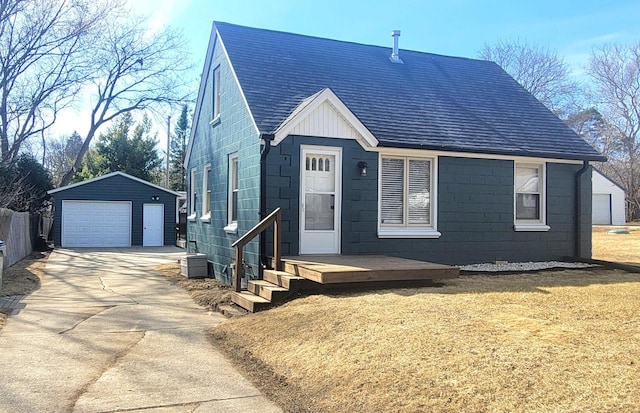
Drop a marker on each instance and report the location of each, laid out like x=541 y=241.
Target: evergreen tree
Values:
x=177 y=151
x=127 y=148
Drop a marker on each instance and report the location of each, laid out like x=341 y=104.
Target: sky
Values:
x=448 y=27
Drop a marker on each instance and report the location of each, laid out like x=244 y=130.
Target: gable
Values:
x=325 y=115
x=110 y=176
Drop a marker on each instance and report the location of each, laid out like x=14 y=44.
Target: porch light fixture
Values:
x=363 y=168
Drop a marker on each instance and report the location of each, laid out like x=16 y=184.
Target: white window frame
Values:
x=192 y=194
x=233 y=169
x=531 y=224
x=206 y=194
x=407 y=230
x=216 y=94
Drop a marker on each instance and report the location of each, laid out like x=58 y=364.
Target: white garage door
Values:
x=601 y=208
x=96 y=224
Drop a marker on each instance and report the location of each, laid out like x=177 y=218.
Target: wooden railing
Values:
x=274 y=218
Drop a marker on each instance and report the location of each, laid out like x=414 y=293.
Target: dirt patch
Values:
x=623 y=248
x=24 y=277
x=206 y=292
x=554 y=341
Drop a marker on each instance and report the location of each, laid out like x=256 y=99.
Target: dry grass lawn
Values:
x=559 y=341
x=616 y=247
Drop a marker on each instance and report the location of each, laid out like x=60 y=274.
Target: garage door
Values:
x=96 y=224
x=601 y=208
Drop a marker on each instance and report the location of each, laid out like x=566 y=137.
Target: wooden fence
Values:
x=20 y=231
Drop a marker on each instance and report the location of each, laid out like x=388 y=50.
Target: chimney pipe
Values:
x=395 y=55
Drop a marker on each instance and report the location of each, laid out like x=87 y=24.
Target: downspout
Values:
x=578 y=210
x=267 y=138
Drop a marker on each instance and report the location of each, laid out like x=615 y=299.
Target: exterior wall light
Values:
x=155 y=198
x=363 y=168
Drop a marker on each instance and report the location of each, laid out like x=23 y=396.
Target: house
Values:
x=114 y=210
x=608 y=200
x=376 y=150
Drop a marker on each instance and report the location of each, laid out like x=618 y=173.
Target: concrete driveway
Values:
x=104 y=334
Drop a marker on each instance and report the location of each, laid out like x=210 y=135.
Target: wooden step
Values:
x=284 y=279
x=250 y=301
x=267 y=290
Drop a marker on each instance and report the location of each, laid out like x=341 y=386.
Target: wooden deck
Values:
x=337 y=269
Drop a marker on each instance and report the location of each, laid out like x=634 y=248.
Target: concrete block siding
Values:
x=475 y=208
x=234 y=132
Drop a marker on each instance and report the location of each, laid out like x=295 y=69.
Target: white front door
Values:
x=153 y=225
x=320 y=199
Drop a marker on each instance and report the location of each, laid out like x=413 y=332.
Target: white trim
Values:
x=109 y=175
x=365 y=137
x=217 y=95
x=325 y=150
x=206 y=189
x=539 y=224
x=431 y=153
x=144 y=205
x=231 y=228
x=531 y=227
x=407 y=230
x=193 y=174
x=230 y=160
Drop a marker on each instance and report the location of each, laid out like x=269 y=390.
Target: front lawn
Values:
x=616 y=247
x=559 y=341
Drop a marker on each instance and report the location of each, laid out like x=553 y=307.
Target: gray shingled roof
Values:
x=430 y=101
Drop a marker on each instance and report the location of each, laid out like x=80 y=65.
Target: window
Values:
x=216 y=92
x=529 y=208
x=407 y=207
x=232 y=214
x=206 y=194
x=192 y=195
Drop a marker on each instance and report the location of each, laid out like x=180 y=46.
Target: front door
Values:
x=152 y=225
x=320 y=199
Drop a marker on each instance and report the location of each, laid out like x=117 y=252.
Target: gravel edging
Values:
x=523 y=266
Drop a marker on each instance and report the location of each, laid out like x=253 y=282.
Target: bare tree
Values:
x=133 y=70
x=42 y=45
x=540 y=70
x=615 y=71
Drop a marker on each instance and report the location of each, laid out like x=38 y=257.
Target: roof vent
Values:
x=395 y=55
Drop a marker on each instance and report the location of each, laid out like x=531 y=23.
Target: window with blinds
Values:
x=405 y=192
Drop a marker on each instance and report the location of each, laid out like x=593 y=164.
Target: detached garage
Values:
x=608 y=204
x=114 y=210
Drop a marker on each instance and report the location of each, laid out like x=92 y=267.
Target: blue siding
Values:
x=475 y=208
x=120 y=188
x=212 y=144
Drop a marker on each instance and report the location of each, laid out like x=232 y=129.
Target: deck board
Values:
x=334 y=269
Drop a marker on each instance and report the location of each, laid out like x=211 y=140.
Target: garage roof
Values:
x=133 y=178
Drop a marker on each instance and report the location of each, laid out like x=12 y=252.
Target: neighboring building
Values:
x=114 y=210
x=608 y=200
x=412 y=155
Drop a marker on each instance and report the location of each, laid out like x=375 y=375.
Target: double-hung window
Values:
x=529 y=202
x=216 y=93
x=232 y=208
x=206 y=194
x=407 y=204
x=192 y=195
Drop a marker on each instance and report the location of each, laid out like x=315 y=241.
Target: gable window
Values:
x=529 y=202
x=407 y=204
x=216 y=93
x=206 y=194
x=232 y=212
x=192 y=195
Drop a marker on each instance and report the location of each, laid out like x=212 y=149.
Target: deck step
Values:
x=284 y=279
x=267 y=290
x=250 y=301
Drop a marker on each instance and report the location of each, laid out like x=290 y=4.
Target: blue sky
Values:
x=450 y=27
